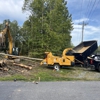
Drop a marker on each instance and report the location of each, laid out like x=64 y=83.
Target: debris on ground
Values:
x=14 y=66
x=23 y=66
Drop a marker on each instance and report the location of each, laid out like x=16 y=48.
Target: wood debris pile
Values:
x=13 y=66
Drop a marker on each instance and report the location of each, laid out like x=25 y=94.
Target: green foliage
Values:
x=15 y=32
x=48 y=26
x=98 y=50
x=16 y=76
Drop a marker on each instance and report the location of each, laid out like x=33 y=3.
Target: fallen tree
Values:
x=23 y=66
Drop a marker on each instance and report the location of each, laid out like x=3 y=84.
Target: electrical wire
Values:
x=88 y=6
x=94 y=8
x=89 y=15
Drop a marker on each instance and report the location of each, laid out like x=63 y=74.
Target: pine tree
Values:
x=50 y=25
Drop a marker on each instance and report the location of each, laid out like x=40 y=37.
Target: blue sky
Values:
x=89 y=12
x=81 y=10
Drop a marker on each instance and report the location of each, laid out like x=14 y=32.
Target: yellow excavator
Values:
x=10 y=49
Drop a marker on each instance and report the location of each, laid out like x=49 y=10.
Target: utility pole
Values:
x=83 y=24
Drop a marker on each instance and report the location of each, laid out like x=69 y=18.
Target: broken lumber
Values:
x=4 y=69
x=23 y=66
x=2 y=63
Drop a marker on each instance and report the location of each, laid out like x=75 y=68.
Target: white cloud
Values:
x=90 y=33
x=81 y=12
x=81 y=20
x=12 y=9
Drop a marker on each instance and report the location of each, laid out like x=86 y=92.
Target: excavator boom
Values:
x=7 y=31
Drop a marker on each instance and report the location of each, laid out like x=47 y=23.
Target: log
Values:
x=2 y=63
x=17 y=60
x=9 y=61
x=4 y=69
x=22 y=57
x=23 y=66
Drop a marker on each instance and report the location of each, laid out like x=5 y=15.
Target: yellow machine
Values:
x=7 y=31
x=11 y=50
x=72 y=56
x=56 y=61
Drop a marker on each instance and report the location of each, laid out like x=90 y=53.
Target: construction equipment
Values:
x=83 y=50
x=56 y=61
x=71 y=56
x=94 y=62
x=10 y=50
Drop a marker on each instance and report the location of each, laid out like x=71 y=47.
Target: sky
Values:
x=81 y=10
x=89 y=12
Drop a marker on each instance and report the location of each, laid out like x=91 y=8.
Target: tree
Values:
x=15 y=32
x=49 y=25
x=14 y=28
x=98 y=50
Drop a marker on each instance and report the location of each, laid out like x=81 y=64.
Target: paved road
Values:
x=70 y=90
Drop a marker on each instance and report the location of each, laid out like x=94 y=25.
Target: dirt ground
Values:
x=9 y=68
x=72 y=73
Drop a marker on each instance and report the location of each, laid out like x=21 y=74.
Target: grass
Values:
x=13 y=77
x=48 y=74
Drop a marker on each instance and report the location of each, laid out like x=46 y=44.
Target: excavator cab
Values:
x=15 y=51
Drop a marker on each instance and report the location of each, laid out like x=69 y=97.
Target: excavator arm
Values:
x=7 y=31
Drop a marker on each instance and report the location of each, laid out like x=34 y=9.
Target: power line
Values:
x=88 y=6
x=91 y=9
x=95 y=8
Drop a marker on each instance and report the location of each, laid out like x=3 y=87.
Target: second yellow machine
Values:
x=71 y=56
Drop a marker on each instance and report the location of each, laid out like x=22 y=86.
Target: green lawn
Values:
x=43 y=73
